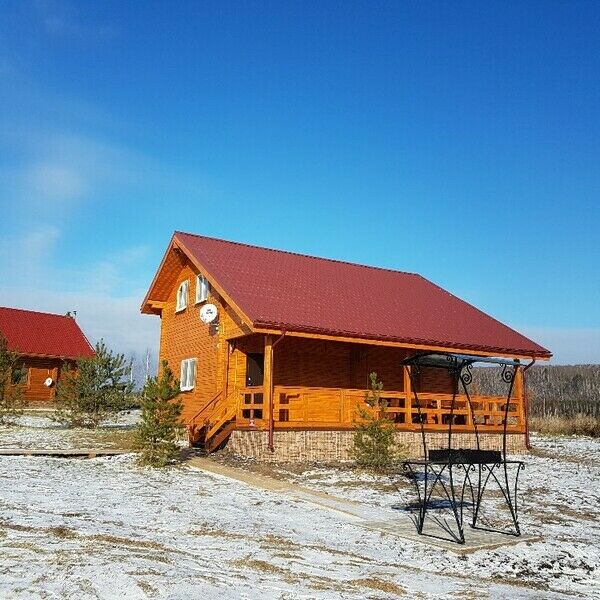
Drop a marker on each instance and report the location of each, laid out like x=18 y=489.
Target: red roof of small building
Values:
x=294 y=292
x=35 y=333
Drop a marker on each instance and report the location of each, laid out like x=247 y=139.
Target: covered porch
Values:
x=285 y=383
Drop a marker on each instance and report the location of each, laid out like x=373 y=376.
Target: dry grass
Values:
x=380 y=585
x=148 y=589
x=258 y=565
x=560 y=425
x=62 y=532
x=117 y=541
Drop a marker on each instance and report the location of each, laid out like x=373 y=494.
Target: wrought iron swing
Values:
x=462 y=474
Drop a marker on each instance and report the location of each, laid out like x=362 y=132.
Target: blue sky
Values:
x=458 y=140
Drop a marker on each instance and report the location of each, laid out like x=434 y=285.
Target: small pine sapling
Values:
x=160 y=422
x=11 y=384
x=374 y=447
x=94 y=390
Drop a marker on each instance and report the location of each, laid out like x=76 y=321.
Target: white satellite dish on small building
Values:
x=208 y=313
x=49 y=381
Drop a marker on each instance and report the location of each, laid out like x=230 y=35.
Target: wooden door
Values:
x=255 y=369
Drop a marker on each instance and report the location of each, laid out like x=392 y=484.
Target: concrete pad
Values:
x=475 y=539
x=364 y=515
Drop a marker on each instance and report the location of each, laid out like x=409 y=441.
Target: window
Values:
x=182 y=295
x=187 y=379
x=202 y=289
x=20 y=376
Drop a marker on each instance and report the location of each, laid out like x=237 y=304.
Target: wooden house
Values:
x=274 y=349
x=45 y=343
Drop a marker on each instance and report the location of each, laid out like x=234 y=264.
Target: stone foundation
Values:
x=334 y=446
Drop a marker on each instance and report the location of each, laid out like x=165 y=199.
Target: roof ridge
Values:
x=301 y=254
x=37 y=312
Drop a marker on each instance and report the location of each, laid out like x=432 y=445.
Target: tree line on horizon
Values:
x=552 y=390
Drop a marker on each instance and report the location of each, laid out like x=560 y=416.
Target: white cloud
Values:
x=54 y=181
x=58 y=168
x=53 y=170
x=29 y=280
x=60 y=18
x=22 y=258
x=111 y=273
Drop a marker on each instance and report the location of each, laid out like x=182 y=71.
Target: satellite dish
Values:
x=208 y=313
x=49 y=381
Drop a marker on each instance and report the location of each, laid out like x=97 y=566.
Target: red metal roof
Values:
x=43 y=334
x=283 y=290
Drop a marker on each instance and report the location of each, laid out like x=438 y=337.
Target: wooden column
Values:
x=268 y=386
x=408 y=392
x=518 y=394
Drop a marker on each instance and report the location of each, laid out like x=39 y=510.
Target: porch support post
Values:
x=519 y=386
x=268 y=386
x=408 y=392
x=268 y=382
x=525 y=402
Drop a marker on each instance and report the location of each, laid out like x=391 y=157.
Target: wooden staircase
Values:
x=210 y=428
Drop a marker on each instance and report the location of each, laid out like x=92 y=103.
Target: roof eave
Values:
x=154 y=307
x=146 y=308
x=54 y=356
x=265 y=326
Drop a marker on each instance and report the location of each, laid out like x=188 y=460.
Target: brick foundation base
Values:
x=296 y=446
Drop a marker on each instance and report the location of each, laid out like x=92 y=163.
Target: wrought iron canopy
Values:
x=450 y=360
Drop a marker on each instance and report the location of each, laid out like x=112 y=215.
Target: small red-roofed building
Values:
x=274 y=349
x=45 y=343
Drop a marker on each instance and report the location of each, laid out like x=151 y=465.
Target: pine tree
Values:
x=160 y=423
x=11 y=388
x=94 y=390
x=374 y=446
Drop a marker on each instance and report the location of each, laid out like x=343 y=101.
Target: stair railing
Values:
x=204 y=411
x=228 y=413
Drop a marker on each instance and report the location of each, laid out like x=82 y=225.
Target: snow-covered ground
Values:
x=36 y=429
x=105 y=528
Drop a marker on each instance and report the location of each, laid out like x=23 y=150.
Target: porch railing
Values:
x=312 y=407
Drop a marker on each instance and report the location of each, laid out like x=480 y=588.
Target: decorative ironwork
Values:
x=508 y=374
x=461 y=477
x=467 y=375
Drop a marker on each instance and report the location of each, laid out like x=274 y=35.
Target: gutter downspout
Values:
x=526 y=405
x=271 y=446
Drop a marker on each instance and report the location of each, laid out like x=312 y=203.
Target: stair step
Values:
x=218 y=438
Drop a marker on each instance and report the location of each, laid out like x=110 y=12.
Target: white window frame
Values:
x=202 y=289
x=182 y=295
x=187 y=378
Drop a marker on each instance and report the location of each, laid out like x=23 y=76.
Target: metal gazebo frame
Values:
x=463 y=472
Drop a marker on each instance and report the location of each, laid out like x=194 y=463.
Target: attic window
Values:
x=182 y=295
x=202 y=288
x=187 y=379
